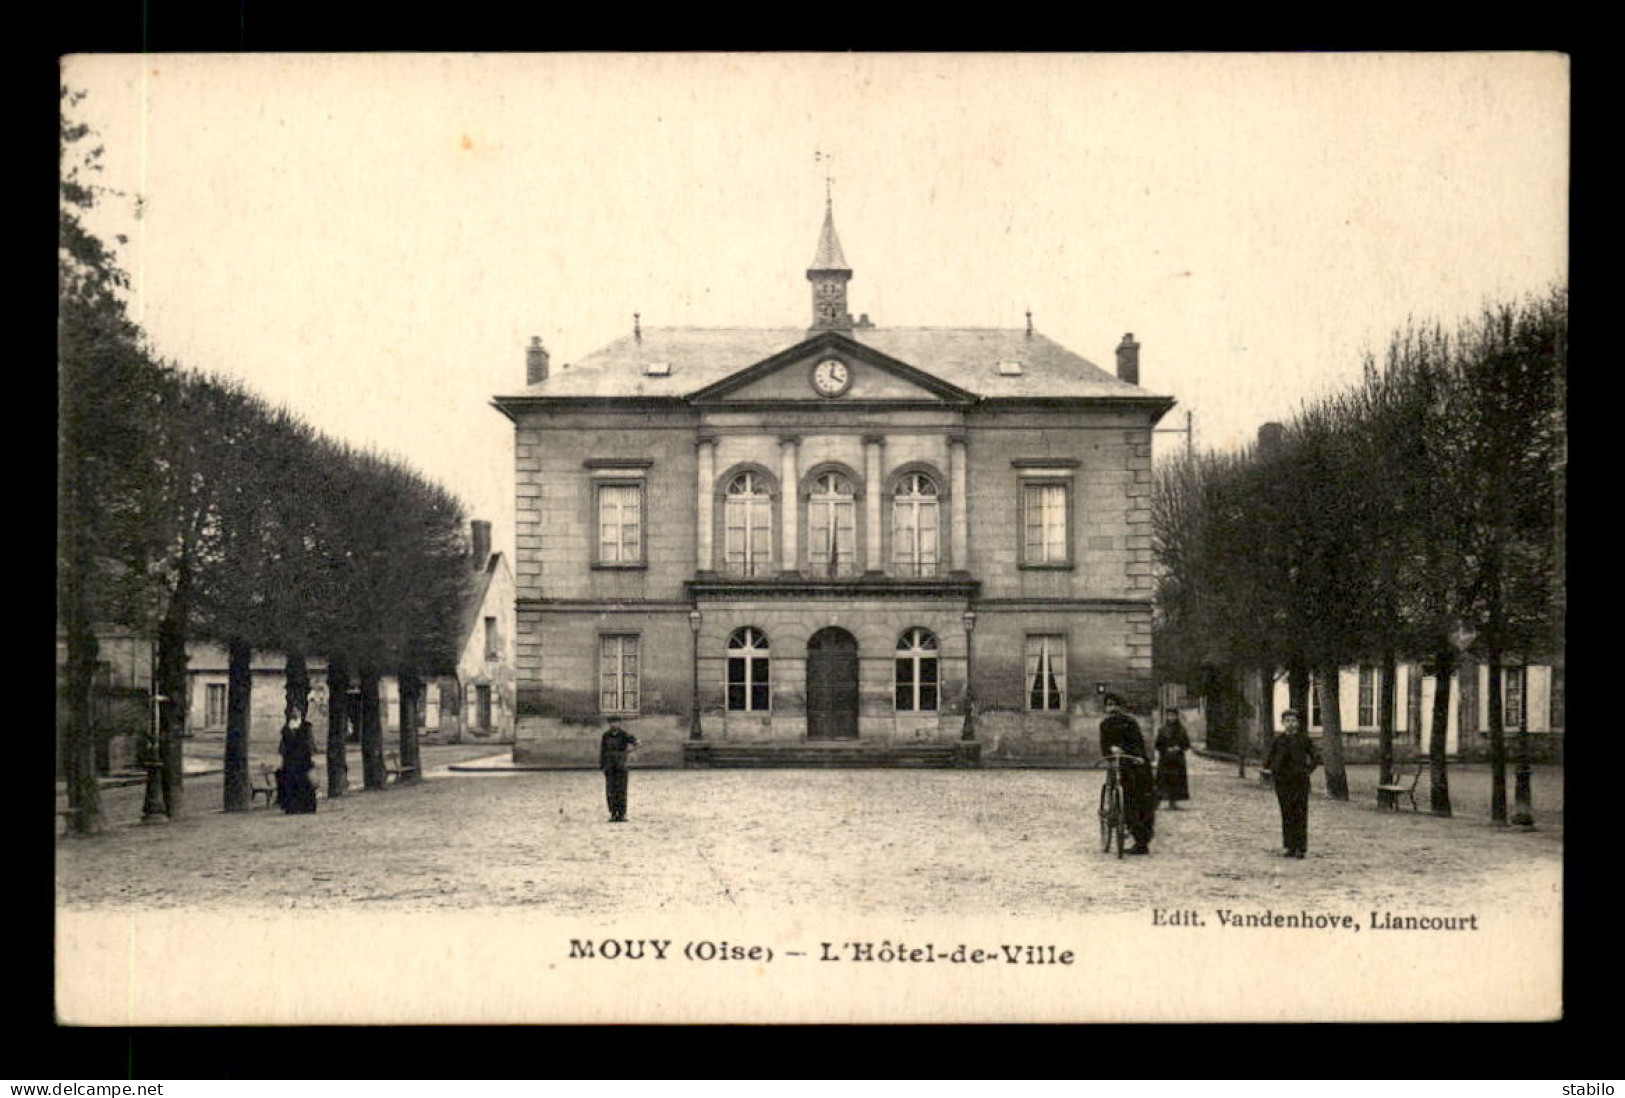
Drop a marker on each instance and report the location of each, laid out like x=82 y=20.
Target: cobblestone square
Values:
x=466 y=899
x=906 y=842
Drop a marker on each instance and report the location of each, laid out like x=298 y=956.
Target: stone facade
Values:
x=638 y=564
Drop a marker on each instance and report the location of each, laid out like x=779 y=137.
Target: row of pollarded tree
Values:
x=1417 y=516
x=189 y=508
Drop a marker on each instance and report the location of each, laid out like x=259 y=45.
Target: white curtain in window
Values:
x=832 y=539
x=620 y=521
x=915 y=526
x=747 y=526
x=1046 y=673
x=1045 y=523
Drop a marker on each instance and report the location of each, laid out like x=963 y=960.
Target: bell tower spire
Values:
x=829 y=272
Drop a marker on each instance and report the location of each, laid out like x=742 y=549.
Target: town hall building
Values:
x=838 y=542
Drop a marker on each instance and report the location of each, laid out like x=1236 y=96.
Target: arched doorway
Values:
x=832 y=685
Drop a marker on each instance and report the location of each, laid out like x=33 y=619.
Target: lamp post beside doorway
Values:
x=968 y=731
x=694 y=731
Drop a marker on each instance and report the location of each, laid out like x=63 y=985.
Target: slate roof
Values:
x=965 y=357
x=474 y=589
x=829 y=257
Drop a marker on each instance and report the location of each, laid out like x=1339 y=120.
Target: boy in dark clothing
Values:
x=1292 y=759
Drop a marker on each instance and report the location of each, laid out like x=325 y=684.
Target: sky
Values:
x=372 y=240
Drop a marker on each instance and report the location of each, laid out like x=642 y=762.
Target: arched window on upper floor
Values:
x=916 y=526
x=747 y=520
x=749 y=684
x=832 y=526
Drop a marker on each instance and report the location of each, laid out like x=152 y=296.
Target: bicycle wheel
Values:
x=1107 y=825
x=1119 y=820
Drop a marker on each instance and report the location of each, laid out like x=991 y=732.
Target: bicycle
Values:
x=1113 y=820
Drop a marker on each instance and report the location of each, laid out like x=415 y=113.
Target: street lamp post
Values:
x=694 y=730
x=152 y=804
x=968 y=729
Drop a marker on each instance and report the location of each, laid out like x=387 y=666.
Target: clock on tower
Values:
x=829 y=275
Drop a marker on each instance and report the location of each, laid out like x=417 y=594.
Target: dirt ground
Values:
x=909 y=842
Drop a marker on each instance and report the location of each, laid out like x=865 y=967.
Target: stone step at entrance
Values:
x=825 y=755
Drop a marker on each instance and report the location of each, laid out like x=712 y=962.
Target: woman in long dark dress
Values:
x=296 y=793
x=1172 y=742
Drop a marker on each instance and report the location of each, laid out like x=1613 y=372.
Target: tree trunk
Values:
x=411 y=707
x=79 y=748
x=1444 y=662
x=239 y=714
x=296 y=683
x=172 y=686
x=1297 y=693
x=372 y=731
x=1523 y=794
x=1264 y=719
x=1331 y=743
x=338 y=716
x=1498 y=739
x=1385 y=727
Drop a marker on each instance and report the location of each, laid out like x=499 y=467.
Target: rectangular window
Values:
x=1368 y=696
x=928 y=685
x=1512 y=696
x=916 y=688
x=214 y=705
x=482 y=703
x=749 y=690
x=620 y=524
x=905 y=684
x=1413 y=703
x=1044 y=525
x=1466 y=685
x=618 y=674
x=1558 y=700
x=1046 y=673
x=1314 y=702
x=491 y=649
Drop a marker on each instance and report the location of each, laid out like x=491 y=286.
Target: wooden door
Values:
x=832 y=685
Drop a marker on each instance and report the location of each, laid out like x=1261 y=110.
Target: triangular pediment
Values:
x=863 y=375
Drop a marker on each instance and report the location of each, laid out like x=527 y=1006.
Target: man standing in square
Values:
x=612 y=752
x=1291 y=760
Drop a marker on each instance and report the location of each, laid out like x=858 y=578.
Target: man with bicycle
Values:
x=1120 y=735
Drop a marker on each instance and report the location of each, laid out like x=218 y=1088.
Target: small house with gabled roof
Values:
x=472 y=702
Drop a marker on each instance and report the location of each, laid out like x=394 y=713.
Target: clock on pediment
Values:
x=831 y=377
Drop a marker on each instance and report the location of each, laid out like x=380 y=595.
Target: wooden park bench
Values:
x=264 y=786
x=1402 y=784
x=393 y=771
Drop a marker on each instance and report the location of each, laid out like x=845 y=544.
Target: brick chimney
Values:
x=1128 y=359
x=1270 y=436
x=535 y=361
x=481 y=554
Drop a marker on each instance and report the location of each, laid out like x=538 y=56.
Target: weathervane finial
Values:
x=824 y=158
